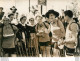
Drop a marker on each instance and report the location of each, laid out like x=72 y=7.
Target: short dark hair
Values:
x=52 y=12
x=22 y=17
x=68 y=13
x=10 y=14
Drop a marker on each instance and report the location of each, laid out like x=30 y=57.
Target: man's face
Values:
x=65 y=18
x=51 y=17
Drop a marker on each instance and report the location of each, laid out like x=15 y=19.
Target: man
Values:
x=71 y=33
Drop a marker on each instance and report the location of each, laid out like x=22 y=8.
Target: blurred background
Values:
x=25 y=6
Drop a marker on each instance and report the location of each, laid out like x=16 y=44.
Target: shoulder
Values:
x=74 y=26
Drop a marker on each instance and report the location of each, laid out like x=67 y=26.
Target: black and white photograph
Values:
x=40 y=28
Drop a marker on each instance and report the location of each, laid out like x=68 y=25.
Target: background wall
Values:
x=23 y=5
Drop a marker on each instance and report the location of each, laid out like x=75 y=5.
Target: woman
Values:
x=21 y=35
x=9 y=38
x=42 y=37
x=32 y=37
x=57 y=30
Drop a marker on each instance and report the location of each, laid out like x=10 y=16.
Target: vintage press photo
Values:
x=39 y=28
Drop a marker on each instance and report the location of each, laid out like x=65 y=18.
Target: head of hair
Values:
x=10 y=14
x=22 y=17
x=76 y=20
x=68 y=13
x=52 y=12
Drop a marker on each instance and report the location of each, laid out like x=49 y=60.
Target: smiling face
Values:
x=39 y=19
x=31 y=20
x=51 y=17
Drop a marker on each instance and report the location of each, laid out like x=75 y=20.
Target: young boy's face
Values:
x=65 y=18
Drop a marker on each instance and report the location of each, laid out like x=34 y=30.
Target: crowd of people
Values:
x=57 y=36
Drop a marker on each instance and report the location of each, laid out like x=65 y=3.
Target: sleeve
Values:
x=15 y=29
x=61 y=28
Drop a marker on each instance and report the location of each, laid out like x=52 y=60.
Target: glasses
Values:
x=31 y=20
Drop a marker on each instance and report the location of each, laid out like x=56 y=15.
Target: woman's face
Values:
x=23 y=20
x=51 y=17
x=32 y=21
x=39 y=19
x=11 y=17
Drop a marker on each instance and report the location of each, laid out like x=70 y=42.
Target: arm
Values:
x=61 y=28
x=74 y=32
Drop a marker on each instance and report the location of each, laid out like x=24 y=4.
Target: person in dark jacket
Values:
x=21 y=35
x=32 y=37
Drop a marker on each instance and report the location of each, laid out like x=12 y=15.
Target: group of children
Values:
x=49 y=38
